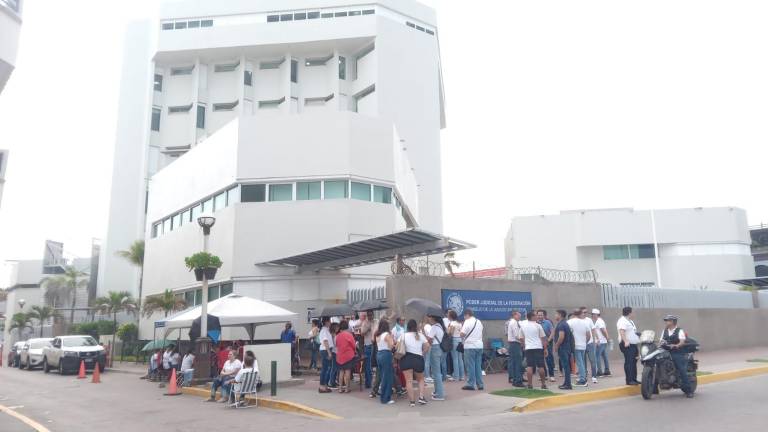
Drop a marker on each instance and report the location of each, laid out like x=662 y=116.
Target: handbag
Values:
x=400 y=349
x=460 y=346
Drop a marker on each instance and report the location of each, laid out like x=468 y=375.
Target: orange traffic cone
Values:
x=172 y=388
x=96 y=376
x=81 y=374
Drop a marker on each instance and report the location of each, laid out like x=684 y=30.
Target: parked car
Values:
x=32 y=353
x=66 y=352
x=15 y=354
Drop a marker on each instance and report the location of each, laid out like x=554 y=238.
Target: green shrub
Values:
x=87 y=328
x=105 y=328
x=128 y=332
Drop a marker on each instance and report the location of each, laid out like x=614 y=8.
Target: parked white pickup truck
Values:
x=66 y=352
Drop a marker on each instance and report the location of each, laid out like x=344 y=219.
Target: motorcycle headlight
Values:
x=644 y=350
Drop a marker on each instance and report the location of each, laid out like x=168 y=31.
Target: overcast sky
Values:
x=550 y=105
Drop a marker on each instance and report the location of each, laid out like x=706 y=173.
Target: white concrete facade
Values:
x=698 y=248
x=235 y=98
x=10 y=27
x=3 y=167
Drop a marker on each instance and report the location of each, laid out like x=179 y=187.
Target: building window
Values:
x=623 y=252
x=294 y=71
x=208 y=205
x=186 y=70
x=369 y=12
x=189 y=298
x=308 y=191
x=340 y=14
x=382 y=194
x=327 y=15
x=180 y=25
x=286 y=17
x=248 y=78
x=185 y=217
x=410 y=24
x=155 y=119
x=196 y=212
x=281 y=192
x=354 y=13
x=225 y=106
x=299 y=16
x=155 y=230
x=193 y=24
x=158 y=82
x=229 y=67
x=253 y=193
x=200 y=117
x=313 y=15
x=167 y=226
x=167 y=26
x=342 y=68
x=336 y=189
x=179 y=109
x=206 y=23
x=226 y=289
x=361 y=191
x=213 y=293
x=273 y=18
x=176 y=223
x=220 y=201
x=430 y=32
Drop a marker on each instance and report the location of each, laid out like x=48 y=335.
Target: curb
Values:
x=124 y=371
x=276 y=404
x=617 y=392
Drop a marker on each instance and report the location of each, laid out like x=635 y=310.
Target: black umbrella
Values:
x=332 y=310
x=371 y=305
x=424 y=307
x=213 y=324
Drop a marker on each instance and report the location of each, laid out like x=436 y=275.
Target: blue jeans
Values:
x=444 y=366
x=591 y=355
x=333 y=378
x=368 y=366
x=515 y=363
x=325 y=371
x=601 y=356
x=387 y=374
x=435 y=359
x=187 y=377
x=681 y=364
x=550 y=359
x=473 y=357
x=427 y=367
x=458 y=360
x=565 y=363
x=225 y=383
x=581 y=365
x=313 y=359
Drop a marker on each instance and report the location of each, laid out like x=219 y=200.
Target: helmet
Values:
x=670 y=318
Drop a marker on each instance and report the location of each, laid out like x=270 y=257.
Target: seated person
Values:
x=187 y=367
x=231 y=367
x=250 y=365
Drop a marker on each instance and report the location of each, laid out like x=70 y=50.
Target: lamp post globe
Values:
x=22 y=302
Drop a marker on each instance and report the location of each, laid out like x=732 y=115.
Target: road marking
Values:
x=24 y=419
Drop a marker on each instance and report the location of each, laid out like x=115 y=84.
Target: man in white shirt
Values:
x=472 y=335
x=628 y=341
x=515 y=364
x=591 y=346
x=603 y=369
x=187 y=367
x=326 y=355
x=231 y=367
x=582 y=333
x=534 y=341
x=249 y=365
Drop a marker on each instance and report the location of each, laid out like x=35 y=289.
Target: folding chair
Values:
x=496 y=360
x=248 y=386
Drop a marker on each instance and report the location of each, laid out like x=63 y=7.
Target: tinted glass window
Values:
x=181 y=25
x=158 y=82
x=79 y=341
x=369 y=12
x=307 y=190
x=193 y=24
x=299 y=16
x=342 y=68
x=382 y=194
x=253 y=193
x=220 y=201
x=313 y=15
x=273 y=18
x=248 y=78
x=206 y=23
x=294 y=71
x=336 y=189
x=281 y=192
x=340 y=14
x=200 y=117
x=327 y=15
x=155 y=119
x=167 y=26
x=361 y=191
x=286 y=17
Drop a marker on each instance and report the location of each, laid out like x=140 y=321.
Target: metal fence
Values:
x=355 y=295
x=551 y=275
x=651 y=298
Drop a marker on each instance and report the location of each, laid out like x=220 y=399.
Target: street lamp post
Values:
x=203 y=343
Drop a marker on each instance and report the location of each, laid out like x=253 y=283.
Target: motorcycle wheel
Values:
x=694 y=381
x=646 y=386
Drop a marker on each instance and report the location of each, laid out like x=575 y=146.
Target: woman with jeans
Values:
x=435 y=336
x=384 y=345
x=326 y=354
x=454 y=330
x=314 y=343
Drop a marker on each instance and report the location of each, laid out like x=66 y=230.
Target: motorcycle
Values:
x=659 y=370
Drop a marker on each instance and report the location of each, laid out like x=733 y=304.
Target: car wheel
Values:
x=46 y=369
x=61 y=367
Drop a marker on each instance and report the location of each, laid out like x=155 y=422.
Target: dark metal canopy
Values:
x=407 y=244
x=758 y=282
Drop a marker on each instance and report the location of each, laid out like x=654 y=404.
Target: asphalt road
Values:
x=124 y=403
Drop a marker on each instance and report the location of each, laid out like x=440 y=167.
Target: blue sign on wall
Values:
x=487 y=305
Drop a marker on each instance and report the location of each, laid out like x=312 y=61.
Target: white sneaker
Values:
x=594 y=380
x=451 y=379
x=429 y=380
x=483 y=373
x=551 y=379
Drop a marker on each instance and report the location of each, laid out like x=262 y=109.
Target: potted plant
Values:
x=203 y=263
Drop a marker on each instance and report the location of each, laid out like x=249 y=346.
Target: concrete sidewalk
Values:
x=472 y=403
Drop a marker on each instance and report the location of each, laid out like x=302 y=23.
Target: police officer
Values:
x=673 y=337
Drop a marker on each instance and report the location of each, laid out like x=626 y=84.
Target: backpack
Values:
x=447 y=343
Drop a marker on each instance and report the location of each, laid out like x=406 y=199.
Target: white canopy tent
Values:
x=233 y=310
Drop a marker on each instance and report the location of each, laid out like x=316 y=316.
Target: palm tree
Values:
x=42 y=314
x=450 y=262
x=135 y=255
x=65 y=286
x=166 y=302
x=114 y=303
x=20 y=321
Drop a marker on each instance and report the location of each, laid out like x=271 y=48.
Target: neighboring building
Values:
x=10 y=26
x=698 y=248
x=302 y=126
x=3 y=165
x=759 y=236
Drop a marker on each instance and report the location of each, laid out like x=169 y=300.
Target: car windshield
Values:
x=38 y=344
x=79 y=341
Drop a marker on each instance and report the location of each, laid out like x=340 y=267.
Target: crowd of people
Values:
x=409 y=355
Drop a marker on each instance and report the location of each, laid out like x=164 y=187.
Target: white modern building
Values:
x=696 y=248
x=3 y=166
x=310 y=129
x=10 y=27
